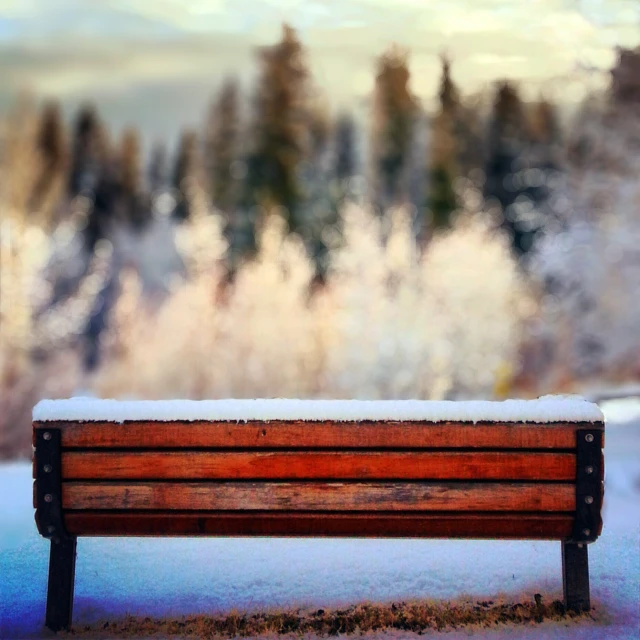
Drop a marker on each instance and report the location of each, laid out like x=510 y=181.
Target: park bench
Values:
x=406 y=469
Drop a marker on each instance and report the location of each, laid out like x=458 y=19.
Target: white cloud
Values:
x=122 y=50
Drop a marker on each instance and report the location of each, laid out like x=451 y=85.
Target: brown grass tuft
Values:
x=417 y=617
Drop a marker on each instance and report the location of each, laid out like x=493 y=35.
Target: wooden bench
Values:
x=523 y=470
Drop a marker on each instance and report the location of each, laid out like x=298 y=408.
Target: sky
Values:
x=156 y=64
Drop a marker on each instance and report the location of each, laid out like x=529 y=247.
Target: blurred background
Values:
x=313 y=198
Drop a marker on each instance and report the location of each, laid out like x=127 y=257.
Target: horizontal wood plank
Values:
x=198 y=465
x=472 y=525
x=298 y=434
x=232 y=496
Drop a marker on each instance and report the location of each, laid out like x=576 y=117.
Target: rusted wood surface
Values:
x=299 y=434
x=329 y=496
x=197 y=465
x=419 y=525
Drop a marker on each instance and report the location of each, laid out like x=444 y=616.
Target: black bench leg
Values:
x=575 y=576
x=62 y=570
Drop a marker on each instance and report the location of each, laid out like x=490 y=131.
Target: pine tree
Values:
x=625 y=79
x=130 y=175
x=88 y=152
x=470 y=135
x=221 y=146
x=319 y=129
x=52 y=149
x=544 y=123
x=280 y=132
x=508 y=156
x=346 y=161
x=93 y=173
x=444 y=150
x=186 y=173
x=394 y=114
x=158 y=170
x=133 y=205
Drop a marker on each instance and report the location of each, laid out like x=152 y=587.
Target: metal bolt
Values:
x=588 y=499
x=586 y=532
x=47 y=468
x=48 y=497
x=589 y=469
x=589 y=437
x=47 y=435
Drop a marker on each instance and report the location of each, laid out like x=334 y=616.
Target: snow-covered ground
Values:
x=179 y=576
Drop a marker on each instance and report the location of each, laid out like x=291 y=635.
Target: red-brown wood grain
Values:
x=402 y=525
x=300 y=434
x=198 y=465
x=319 y=496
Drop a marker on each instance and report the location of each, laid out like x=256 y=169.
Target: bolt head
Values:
x=47 y=435
x=586 y=532
x=589 y=469
x=588 y=499
x=48 y=497
x=47 y=468
x=589 y=437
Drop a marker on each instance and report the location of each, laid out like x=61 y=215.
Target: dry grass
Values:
x=417 y=617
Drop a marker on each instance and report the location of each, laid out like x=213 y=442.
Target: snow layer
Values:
x=546 y=409
x=183 y=576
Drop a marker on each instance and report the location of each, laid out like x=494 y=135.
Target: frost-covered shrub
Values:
x=588 y=267
x=435 y=325
x=210 y=339
x=389 y=322
x=37 y=335
x=37 y=341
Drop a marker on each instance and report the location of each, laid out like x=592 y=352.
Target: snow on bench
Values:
x=542 y=410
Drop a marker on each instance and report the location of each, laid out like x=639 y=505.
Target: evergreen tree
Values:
x=158 y=171
x=93 y=174
x=130 y=174
x=186 y=174
x=345 y=148
x=470 y=135
x=544 y=123
x=52 y=149
x=625 y=79
x=88 y=152
x=221 y=146
x=444 y=150
x=279 y=131
x=448 y=94
x=318 y=214
x=319 y=129
x=133 y=205
x=517 y=166
x=394 y=114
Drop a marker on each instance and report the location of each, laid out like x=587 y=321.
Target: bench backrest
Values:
x=410 y=478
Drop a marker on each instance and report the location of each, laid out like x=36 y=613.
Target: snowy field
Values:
x=180 y=576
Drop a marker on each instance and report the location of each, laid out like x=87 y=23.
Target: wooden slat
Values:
x=231 y=496
x=471 y=525
x=198 y=465
x=298 y=434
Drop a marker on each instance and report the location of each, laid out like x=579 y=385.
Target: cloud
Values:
x=152 y=61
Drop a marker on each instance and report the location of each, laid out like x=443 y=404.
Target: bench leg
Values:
x=575 y=576
x=62 y=570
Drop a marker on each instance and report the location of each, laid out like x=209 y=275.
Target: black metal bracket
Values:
x=588 y=521
x=48 y=462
